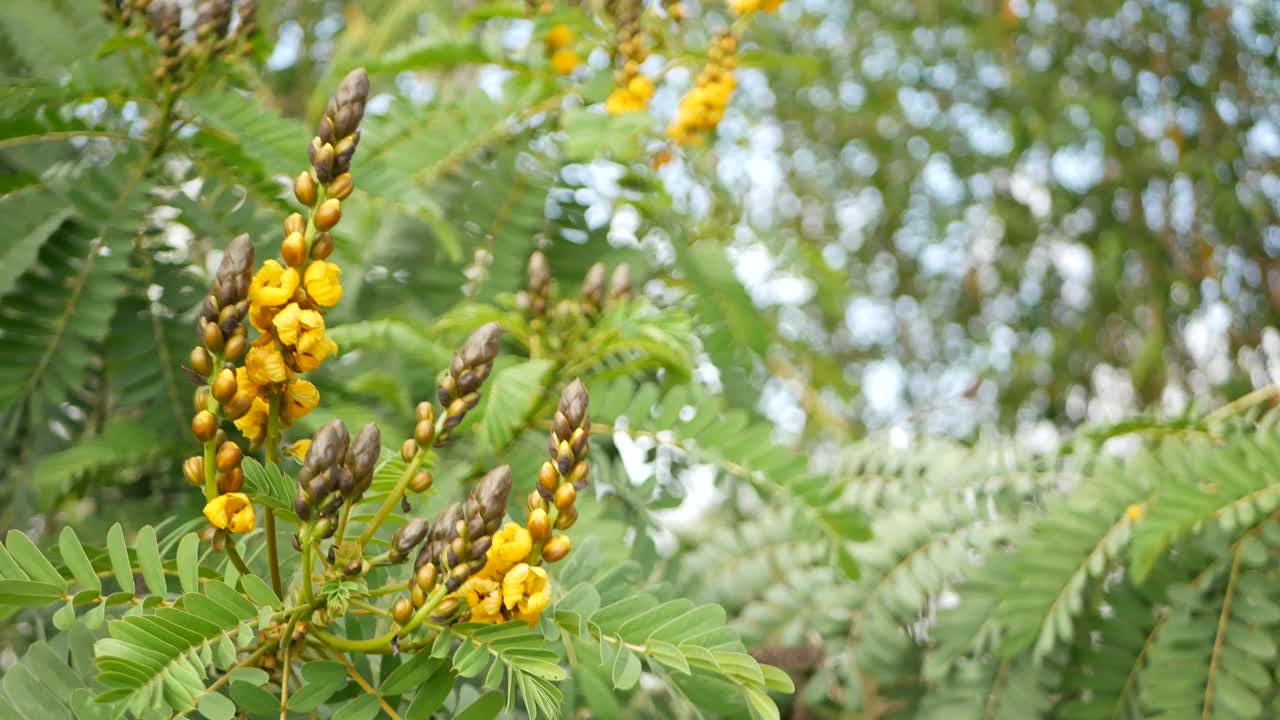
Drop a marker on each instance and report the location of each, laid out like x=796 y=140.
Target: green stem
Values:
x=378 y=643
x=393 y=499
x=236 y=560
x=1257 y=397
x=342 y=525
x=273 y=455
x=306 y=568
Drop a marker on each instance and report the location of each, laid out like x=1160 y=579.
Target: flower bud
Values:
x=302 y=508
x=536 y=501
x=445 y=609
x=236 y=347
x=304 y=188
x=328 y=214
x=565 y=495
x=426 y=576
x=294 y=250
x=424 y=432
x=200 y=398
x=201 y=361
x=193 y=470
x=539 y=525
x=593 y=289
x=224 y=388
x=204 y=425
x=295 y=224
x=322 y=247
x=229 y=456
x=213 y=337
x=556 y=548
x=354 y=567
x=341 y=186
x=417 y=596
x=421 y=482
x=567 y=518
x=410 y=535
x=548 y=477
x=408 y=449
x=578 y=476
x=230 y=481
x=402 y=611
x=425 y=412
x=620 y=283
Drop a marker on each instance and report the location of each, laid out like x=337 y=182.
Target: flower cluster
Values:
x=633 y=90
x=702 y=108
x=747 y=7
x=286 y=303
x=564 y=60
x=212 y=30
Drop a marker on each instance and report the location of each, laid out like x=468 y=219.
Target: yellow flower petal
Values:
x=232 y=512
x=511 y=545
x=300 y=398
x=265 y=365
x=273 y=285
x=253 y=424
x=321 y=282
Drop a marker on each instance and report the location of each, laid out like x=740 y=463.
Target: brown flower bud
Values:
x=425 y=412
x=204 y=425
x=224 y=388
x=421 y=482
x=417 y=596
x=556 y=548
x=201 y=361
x=230 y=481
x=426 y=575
x=193 y=470
x=536 y=501
x=593 y=289
x=568 y=516
x=341 y=186
x=322 y=247
x=328 y=214
x=229 y=456
x=410 y=535
x=236 y=347
x=295 y=224
x=408 y=449
x=578 y=476
x=353 y=567
x=402 y=611
x=200 y=398
x=213 y=337
x=548 y=477
x=424 y=432
x=539 y=525
x=445 y=609
x=328 y=447
x=294 y=250
x=304 y=188
x=620 y=283
x=565 y=495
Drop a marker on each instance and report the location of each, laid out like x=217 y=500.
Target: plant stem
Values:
x=305 y=590
x=378 y=643
x=236 y=560
x=273 y=456
x=342 y=525
x=393 y=499
x=1240 y=404
x=364 y=685
x=284 y=672
x=210 y=446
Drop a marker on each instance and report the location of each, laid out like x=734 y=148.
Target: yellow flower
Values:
x=484 y=597
x=299 y=399
x=511 y=545
x=273 y=285
x=253 y=424
x=298 y=449
x=303 y=330
x=770 y=5
x=1135 y=512
x=641 y=87
x=232 y=512
x=321 y=282
x=526 y=592
x=559 y=36
x=565 y=61
x=265 y=365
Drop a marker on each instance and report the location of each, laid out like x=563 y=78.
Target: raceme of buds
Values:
x=570 y=432
x=221 y=316
x=539 y=290
x=408 y=537
x=213 y=19
x=460 y=534
x=338 y=133
x=323 y=479
x=362 y=458
x=459 y=388
x=593 y=289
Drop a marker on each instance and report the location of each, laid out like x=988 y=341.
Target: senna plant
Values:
x=313 y=585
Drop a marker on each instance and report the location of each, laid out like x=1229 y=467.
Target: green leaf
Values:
x=65 y=617
x=410 y=675
x=118 y=551
x=668 y=654
x=216 y=707
x=32 y=561
x=260 y=592
x=28 y=593
x=267 y=485
x=148 y=551
x=777 y=680
x=254 y=699
x=626 y=669
x=189 y=562
x=364 y=707
x=77 y=560
x=485 y=707
x=509 y=397
x=761 y=705
x=422 y=55
x=431 y=695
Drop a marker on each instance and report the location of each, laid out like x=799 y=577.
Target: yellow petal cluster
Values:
x=231 y=512
x=632 y=97
x=302 y=332
x=526 y=592
x=511 y=545
x=321 y=283
x=702 y=108
x=272 y=286
x=746 y=7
